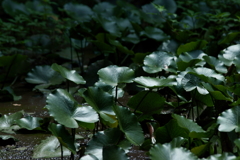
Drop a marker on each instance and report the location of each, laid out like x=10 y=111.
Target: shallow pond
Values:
x=33 y=103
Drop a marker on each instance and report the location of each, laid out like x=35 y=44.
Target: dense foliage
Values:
x=176 y=62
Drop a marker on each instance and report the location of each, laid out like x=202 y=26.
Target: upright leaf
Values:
x=65 y=109
x=128 y=123
x=229 y=120
x=113 y=75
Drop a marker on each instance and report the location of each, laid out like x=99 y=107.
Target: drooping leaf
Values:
x=154 y=33
x=108 y=137
x=49 y=147
x=66 y=110
x=63 y=136
x=147 y=106
x=157 y=61
x=171 y=151
x=70 y=75
x=7 y=94
x=29 y=122
x=129 y=125
x=229 y=120
x=113 y=75
x=7 y=140
x=150 y=82
x=44 y=75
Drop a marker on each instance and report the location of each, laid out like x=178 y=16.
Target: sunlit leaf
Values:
x=171 y=151
x=49 y=147
x=229 y=120
x=113 y=75
x=157 y=61
x=150 y=82
x=29 y=122
x=65 y=109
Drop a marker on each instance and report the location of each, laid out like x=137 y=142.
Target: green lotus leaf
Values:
x=110 y=89
x=191 y=46
x=150 y=82
x=108 y=137
x=154 y=33
x=7 y=122
x=215 y=63
x=114 y=152
x=63 y=136
x=229 y=120
x=79 y=12
x=171 y=151
x=170 y=131
x=129 y=125
x=200 y=150
x=232 y=54
x=104 y=8
x=147 y=106
x=44 y=75
x=157 y=61
x=169 y=46
x=48 y=148
x=188 y=124
x=189 y=59
x=206 y=74
x=228 y=38
x=113 y=75
x=70 y=75
x=169 y=5
x=66 y=110
x=101 y=102
x=191 y=82
x=29 y=122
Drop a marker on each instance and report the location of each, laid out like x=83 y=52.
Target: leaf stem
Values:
x=141 y=101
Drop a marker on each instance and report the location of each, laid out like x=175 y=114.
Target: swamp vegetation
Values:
x=160 y=77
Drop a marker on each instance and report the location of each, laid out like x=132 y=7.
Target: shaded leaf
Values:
x=114 y=152
x=63 y=136
x=128 y=123
x=109 y=137
x=70 y=75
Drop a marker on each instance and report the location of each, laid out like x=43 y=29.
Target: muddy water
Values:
x=33 y=103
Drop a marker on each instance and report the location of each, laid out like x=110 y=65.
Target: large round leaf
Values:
x=114 y=152
x=171 y=151
x=150 y=82
x=128 y=123
x=156 y=62
x=44 y=75
x=113 y=75
x=70 y=75
x=29 y=122
x=191 y=82
x=229 y=120
x=65 y=109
